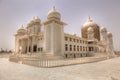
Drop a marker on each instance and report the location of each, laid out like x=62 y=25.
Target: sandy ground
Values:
x=103 y=70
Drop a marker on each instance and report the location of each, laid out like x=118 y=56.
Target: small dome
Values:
x=89 y=23
x=37 y=19
x=21 y=30
x=90 y=29
x=29 y=24
x=32 y=21
x=109 y=34
x=103 y=29
x=54 y=14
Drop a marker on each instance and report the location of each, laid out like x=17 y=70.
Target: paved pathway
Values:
x=104 y=70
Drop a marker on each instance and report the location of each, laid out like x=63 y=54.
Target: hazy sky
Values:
x=14 y=13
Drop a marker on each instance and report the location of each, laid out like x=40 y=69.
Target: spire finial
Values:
x=89 y=19
x=22 y=26
x=54 y=8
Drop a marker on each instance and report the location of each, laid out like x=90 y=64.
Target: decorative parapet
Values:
x=47 y=63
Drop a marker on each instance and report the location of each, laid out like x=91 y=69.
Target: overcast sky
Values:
x=14 y=13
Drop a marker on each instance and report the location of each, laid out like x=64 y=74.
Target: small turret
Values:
x=34 y=26
x=103 y=29
x=103 y=33
x=53 y=14
x=21 y=30
x=110 y=49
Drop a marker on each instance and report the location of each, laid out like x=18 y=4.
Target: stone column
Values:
x=68 y=48
x=63 y=41
x=28 y=46
x=52 y=38
x=37 y=45
x=22 y=45
x=31 y=45
x=16 y=44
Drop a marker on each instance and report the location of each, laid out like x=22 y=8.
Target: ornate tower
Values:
x=54 y=33
x=110 y=49
x=103 y=32
x=33 y=28
x=103 y=35
x=19 y=44
x=93 y=25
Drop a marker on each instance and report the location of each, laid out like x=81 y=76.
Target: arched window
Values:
x=66 y=38
x=74 y=40
x=80 y=48
x=70 y=47
x=77 y=41
x=77 y=48
x=35 y=48
x=66 y=55
x=70 y=39
x=80 y=41
x=83 y=48
x=74 y=48
x=29 y=49
x=66 y=47
x=41 y=49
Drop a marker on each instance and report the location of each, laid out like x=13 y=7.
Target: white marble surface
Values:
x=92 y=71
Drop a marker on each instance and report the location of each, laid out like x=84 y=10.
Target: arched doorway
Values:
x=35 y=48
x=26 y=50
x=29 y=48
x=66 y=55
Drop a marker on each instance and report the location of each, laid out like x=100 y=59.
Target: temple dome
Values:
x=34 y=20
x=37 y=19
x=90 y=23
x=31 y=22
x=54 y=14
x=21 y=30
x=109 y=34
x=103 y=29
